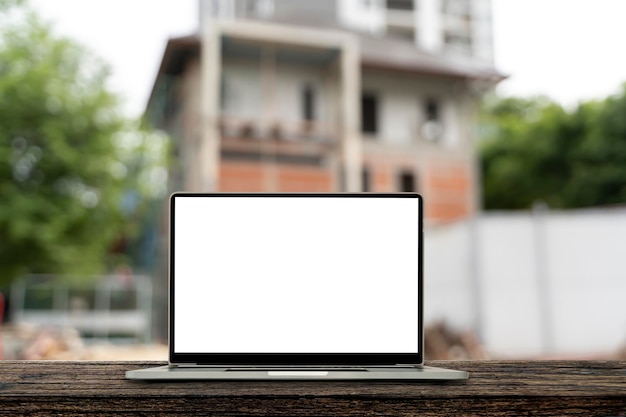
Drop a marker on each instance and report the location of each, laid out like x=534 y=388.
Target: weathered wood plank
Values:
x=277 y=406
x=543 y=388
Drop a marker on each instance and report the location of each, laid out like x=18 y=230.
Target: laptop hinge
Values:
x=290 y=367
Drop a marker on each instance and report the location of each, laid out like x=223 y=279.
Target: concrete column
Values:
x=207 y=160
x=430 y=25
x=268 y=85
x=350 y=110
x=269 y=116
x=482 y=36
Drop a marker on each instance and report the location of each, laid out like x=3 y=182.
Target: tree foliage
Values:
x=534 y=150
x=62 y=175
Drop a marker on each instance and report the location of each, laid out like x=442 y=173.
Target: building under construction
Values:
x=282 y=96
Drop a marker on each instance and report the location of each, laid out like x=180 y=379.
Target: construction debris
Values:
x=24 y=342
x=441 y=342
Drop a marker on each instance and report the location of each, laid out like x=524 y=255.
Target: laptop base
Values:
x=422 y=373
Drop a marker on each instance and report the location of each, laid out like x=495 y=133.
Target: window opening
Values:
x=369 y=113
x=407 y=182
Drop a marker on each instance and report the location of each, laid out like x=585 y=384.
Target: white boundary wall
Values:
x=532 y=283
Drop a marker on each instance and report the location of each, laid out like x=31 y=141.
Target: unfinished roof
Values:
x=377 y=52
x=400 y=54
x=387 y=52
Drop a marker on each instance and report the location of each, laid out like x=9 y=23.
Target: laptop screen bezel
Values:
x=270 y=359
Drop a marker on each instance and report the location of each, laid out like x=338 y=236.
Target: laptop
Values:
x=296 y=286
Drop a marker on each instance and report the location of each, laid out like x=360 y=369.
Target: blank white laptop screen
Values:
x=296 y=275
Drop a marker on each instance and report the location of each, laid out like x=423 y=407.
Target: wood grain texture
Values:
x=511 y=388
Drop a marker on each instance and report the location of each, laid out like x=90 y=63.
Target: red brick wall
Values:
x=240 y=177
x=450 y=192
x=447 y=186
x=257 y=177
x=294 y=178
x=382 y=181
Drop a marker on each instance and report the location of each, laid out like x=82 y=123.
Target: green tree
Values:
x=62 y=174
x=599 y=160
x=533 y=149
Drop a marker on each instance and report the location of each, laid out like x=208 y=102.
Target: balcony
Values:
x=303 y=143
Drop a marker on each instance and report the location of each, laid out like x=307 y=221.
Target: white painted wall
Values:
x=429 y=23
x=290 y=83
x=578 y=268
x=398 y=116
x=401 y=101
x=401 y=108
x=243 y=90
x=361 y=15
x=371 y=17
x=482 y=30
x=451 y=121
x=245 y=93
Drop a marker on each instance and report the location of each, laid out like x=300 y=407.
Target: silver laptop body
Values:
x=296 y=286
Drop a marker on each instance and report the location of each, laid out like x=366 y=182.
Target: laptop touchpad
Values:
x=297 y=373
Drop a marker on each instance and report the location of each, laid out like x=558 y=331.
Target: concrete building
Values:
x=295 y=95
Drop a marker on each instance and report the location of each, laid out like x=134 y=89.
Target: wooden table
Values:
x=511 y=388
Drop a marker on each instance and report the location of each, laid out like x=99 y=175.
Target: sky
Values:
x=569 y=50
